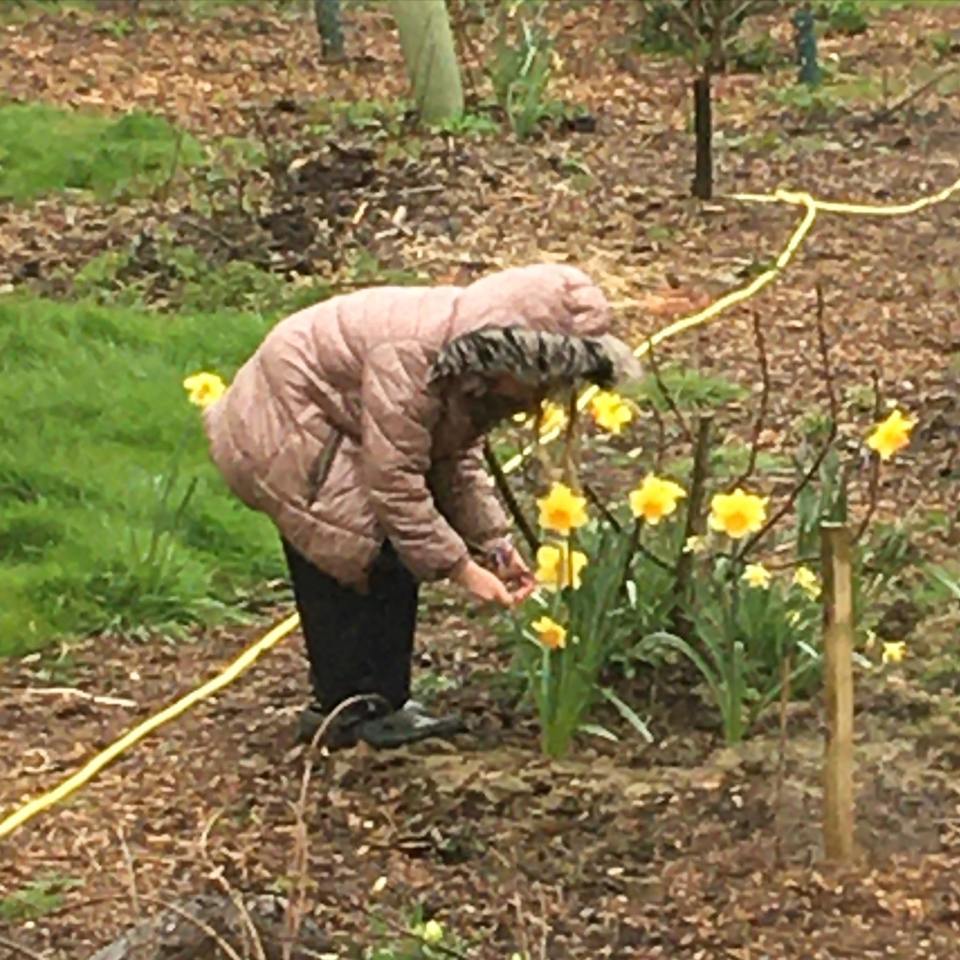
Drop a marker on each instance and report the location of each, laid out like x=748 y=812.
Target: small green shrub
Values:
x=36 y=899
x=846 y=17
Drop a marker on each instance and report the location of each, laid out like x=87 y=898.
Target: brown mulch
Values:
x=620 y=851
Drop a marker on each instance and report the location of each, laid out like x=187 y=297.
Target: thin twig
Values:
x=651 y=556
x=887 y=112
x=217 y=874
x=73 y=692
x=464 y=42
x=668 y=397
x=811 y=472
x=570 y=463
x=764 y=399
x=293 y=915
x=786 y=667
x=19 y=948
x=661 y=438
x=873 y=491
x=683 y=569
x=592 y=496
x=825 y=358
x=198 y=923
x=131 y=872
x=513 y=505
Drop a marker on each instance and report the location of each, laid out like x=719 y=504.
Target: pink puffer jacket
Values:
x=332 y=430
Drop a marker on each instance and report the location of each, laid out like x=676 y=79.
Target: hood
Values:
x=546 y=297
x=545 y=324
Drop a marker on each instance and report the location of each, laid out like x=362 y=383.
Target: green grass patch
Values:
x=92 y=412
x=44 y=150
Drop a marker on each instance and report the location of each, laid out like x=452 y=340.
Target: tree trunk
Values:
x=329 y=26
x=703 y=125
x=430 y=57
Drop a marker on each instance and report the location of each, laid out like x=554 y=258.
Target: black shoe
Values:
x=343 y=730
x=410 y=724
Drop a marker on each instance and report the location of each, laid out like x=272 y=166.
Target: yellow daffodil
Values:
x=871 y=641
x=432 y=931
x=655 y=499
x=562 y=510
x=552 y=417
x=757 y=575
x=694 y=544
x=610 y=411
x=204 y=388
x=807 y=581
x=894 y=651
x=550 y=633
x=891 y=435
x=555 y=564
x=737 y=514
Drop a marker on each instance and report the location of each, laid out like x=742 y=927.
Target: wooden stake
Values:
x=835 y=541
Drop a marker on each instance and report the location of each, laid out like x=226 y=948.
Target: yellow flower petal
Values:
x=894 y=651
x=562 y=510
x=891 y=435
x=807 y=581
x=554 y=566
x=610 y=411
x=553 y=417
x=694 y=544
x=550 y=633
x=757 y=575
x=737 y=514
x=655 y=499
x=204 y=388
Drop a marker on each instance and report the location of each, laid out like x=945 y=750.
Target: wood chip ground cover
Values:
x=623 y=851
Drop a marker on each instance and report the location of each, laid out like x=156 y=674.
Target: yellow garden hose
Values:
x=98 y=762
x=811 y=206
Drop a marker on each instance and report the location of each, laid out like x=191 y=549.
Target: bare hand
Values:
x=514 y=572
x=483 y=584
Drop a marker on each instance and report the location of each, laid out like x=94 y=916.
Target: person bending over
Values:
x=358 y=426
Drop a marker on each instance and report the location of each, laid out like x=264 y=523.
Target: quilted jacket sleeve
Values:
x=397 y=421
x=464 y=493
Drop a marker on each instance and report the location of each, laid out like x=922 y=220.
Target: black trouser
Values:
x=357 y=643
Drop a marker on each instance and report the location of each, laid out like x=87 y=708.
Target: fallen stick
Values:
x=74 y=692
